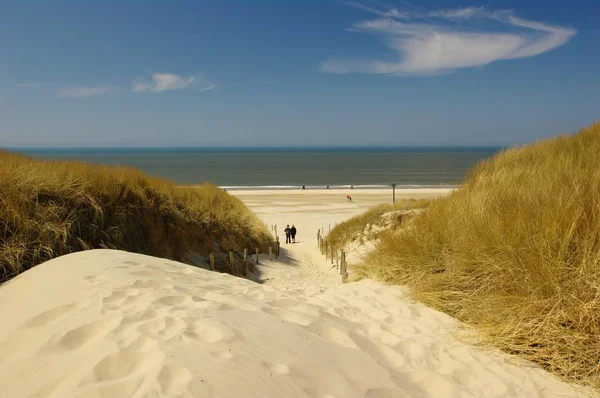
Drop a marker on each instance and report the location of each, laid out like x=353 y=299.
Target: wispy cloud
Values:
x=439 y=41
x=211 y=87
x=162 y=82
x=28 y=85
x=84 y=91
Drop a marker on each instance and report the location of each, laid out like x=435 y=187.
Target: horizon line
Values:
x=283 y=147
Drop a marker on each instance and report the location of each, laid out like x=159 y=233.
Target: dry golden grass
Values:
x=515 y=252
x=51 y=208
x=356 y=227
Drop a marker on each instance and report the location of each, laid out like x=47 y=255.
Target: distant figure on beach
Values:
x=288 y=234
x=303 y=186
x=327 y=186
x=293 y=233
x=349 y=198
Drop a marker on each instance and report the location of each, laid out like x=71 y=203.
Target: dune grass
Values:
x=354 y=228
x=515 y=253
x=51 y=208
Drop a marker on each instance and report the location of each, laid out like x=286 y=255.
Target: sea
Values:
x=289 y=168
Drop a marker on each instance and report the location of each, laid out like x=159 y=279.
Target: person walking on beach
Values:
x=288 y=234
x=293 y=233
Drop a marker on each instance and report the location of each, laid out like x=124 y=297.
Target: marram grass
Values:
x=515 y=252
x=355 y=227
x=51 y=208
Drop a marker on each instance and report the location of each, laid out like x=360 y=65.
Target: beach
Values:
x=107 y=323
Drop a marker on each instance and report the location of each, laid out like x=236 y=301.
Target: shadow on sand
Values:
x=257 y=273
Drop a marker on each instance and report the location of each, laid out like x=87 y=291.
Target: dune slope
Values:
x=51 y=208
x=105 y=323
x=515 y=253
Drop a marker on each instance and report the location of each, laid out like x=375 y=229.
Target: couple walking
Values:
x=290 y=234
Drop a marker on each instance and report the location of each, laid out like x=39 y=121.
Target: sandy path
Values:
x=108 y=323
x=301 y=266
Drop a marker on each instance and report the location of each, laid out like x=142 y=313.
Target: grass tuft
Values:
x=51 y=208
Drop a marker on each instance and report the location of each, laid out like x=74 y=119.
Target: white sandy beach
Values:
x=106 y=323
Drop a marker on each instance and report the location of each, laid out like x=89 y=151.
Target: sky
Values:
x=296 y=73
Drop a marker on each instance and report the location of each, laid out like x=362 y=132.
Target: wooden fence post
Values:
x=212 y=261
x=231 y=263
x=270 y=253
x=257 y=255
x=246 y=261
x=332 y=251
x=277 y=242
x=344 y=273
x=326 y=244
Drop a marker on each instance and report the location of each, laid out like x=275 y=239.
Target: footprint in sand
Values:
x=50 y=316
x=174 y=380
x=83 y=335
x=397 y=359
x=386 y=393
x=222 y=355
x=139 y=344
x=116 y=295
x=209 y=330
x=174 y=300
x=95 y=279
x=125 y=364
x=335 y=334
x=410 y=349
x=312 y=393
x=149 y=284
x=183 y=290
x=276 y=368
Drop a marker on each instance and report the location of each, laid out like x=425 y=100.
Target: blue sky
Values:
x=273 y=73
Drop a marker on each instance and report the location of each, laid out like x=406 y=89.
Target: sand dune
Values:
x=106 y=323
x=113 y=324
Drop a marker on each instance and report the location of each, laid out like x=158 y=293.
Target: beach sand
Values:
x=106 y=323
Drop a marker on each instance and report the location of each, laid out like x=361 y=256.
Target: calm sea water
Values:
x=277 y=167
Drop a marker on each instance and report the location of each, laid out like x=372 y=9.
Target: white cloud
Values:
x=212 y=86
x=430 y=43
x=457 y=13
x=28 y=85
x=163 y=82
x=84 y=91
x=392 y=13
